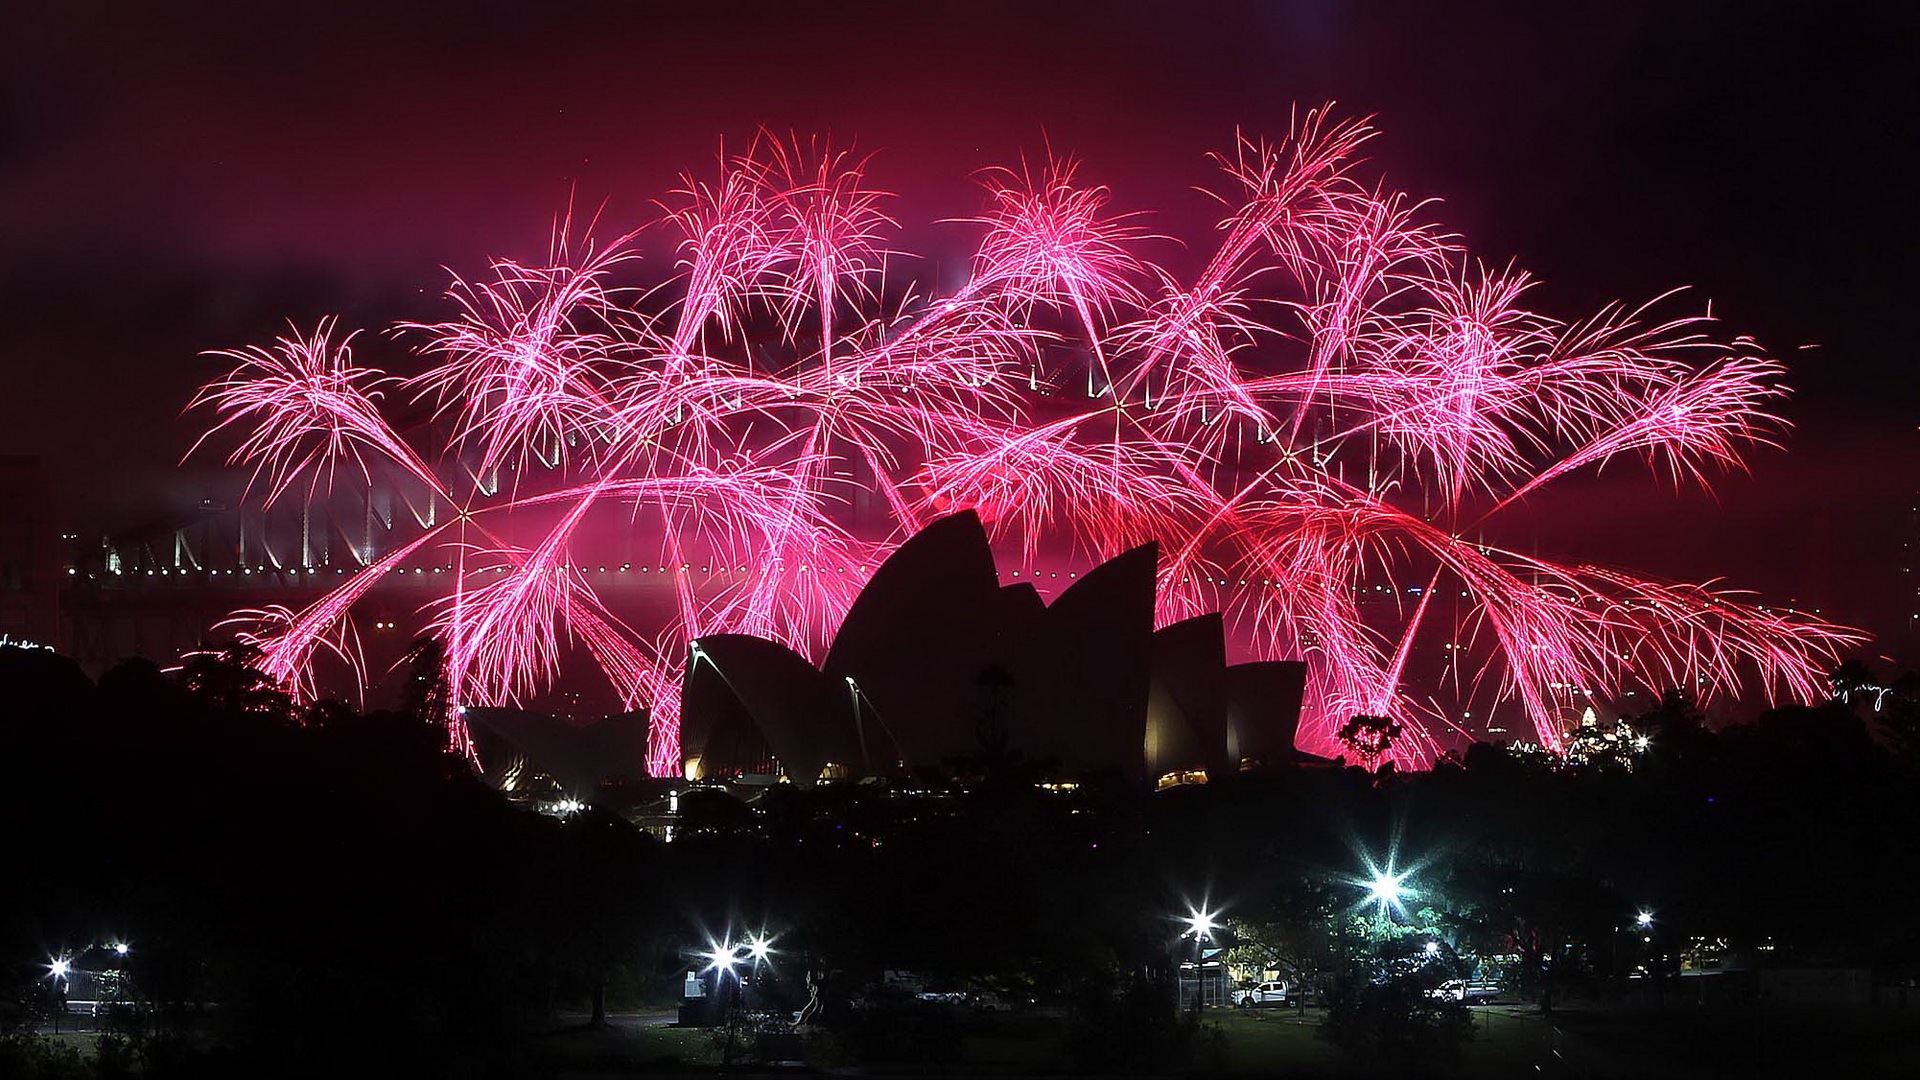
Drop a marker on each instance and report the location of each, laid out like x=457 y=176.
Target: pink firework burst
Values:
x=1332 y=415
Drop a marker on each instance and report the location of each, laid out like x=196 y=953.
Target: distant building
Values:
x=937 y=665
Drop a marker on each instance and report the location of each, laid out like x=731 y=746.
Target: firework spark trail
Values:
x=832 y=224
x=310 y=406
x=1052 y=242
x=1699 y=421
x=724 y=248
x=288 y=641
x=1043 y=482
x=1337 y=400
x=520 y=367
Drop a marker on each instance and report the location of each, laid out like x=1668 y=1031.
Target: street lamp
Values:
x=721 y=958
x=1200 y=924
x=1386 y=889
x=1200 y=927
x=1643 y=920
x=58 y=968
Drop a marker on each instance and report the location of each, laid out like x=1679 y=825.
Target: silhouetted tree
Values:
x=229 y=683
x=1369 y=737
x=1673 y=724
x=1395 y=1025
x=429 y=695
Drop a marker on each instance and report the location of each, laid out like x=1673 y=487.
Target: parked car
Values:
x=1463 y=990
x=1482 y=991
x=1262 y=994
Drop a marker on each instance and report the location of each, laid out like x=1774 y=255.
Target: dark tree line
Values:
x=310 y=890
x=306 y=891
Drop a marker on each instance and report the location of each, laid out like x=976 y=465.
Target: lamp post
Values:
x=759 y=950
x=1643 y=924
x=59 y=968
x=1200 y=927
x=721 y=959
x=724 y=959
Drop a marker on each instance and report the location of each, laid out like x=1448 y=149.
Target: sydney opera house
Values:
x=938 y=665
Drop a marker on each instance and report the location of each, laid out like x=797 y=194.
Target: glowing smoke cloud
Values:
x=1337 y=398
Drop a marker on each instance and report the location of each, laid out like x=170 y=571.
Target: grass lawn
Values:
x=623 y=1047
x=1011 y=1053
x=1776 y=1041
x=1276 y=1041
x=1509 y=1041
x=1282 y=1041
x=1595 y=1044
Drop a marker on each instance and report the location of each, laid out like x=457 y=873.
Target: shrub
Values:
x=1137 y=1029
x=1395 y=1024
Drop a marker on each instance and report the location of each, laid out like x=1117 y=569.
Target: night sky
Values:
x=182 y=177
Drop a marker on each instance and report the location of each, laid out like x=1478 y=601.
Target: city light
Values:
x=759 y=948
x=60 y=967
x=1384 y=883
x=1201 y=924
x=1386 y=889
x=1644 y=919
x=722 y=957
x=121 y=948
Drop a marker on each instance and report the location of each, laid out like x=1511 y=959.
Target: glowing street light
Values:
x=58 y=968
x=1644 y=919
x=1200 y=924
x=759 y=948
x=1383 y=883
x=721 y=958
x=1200 y=927
x=121 y=948
x=1386 y=889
